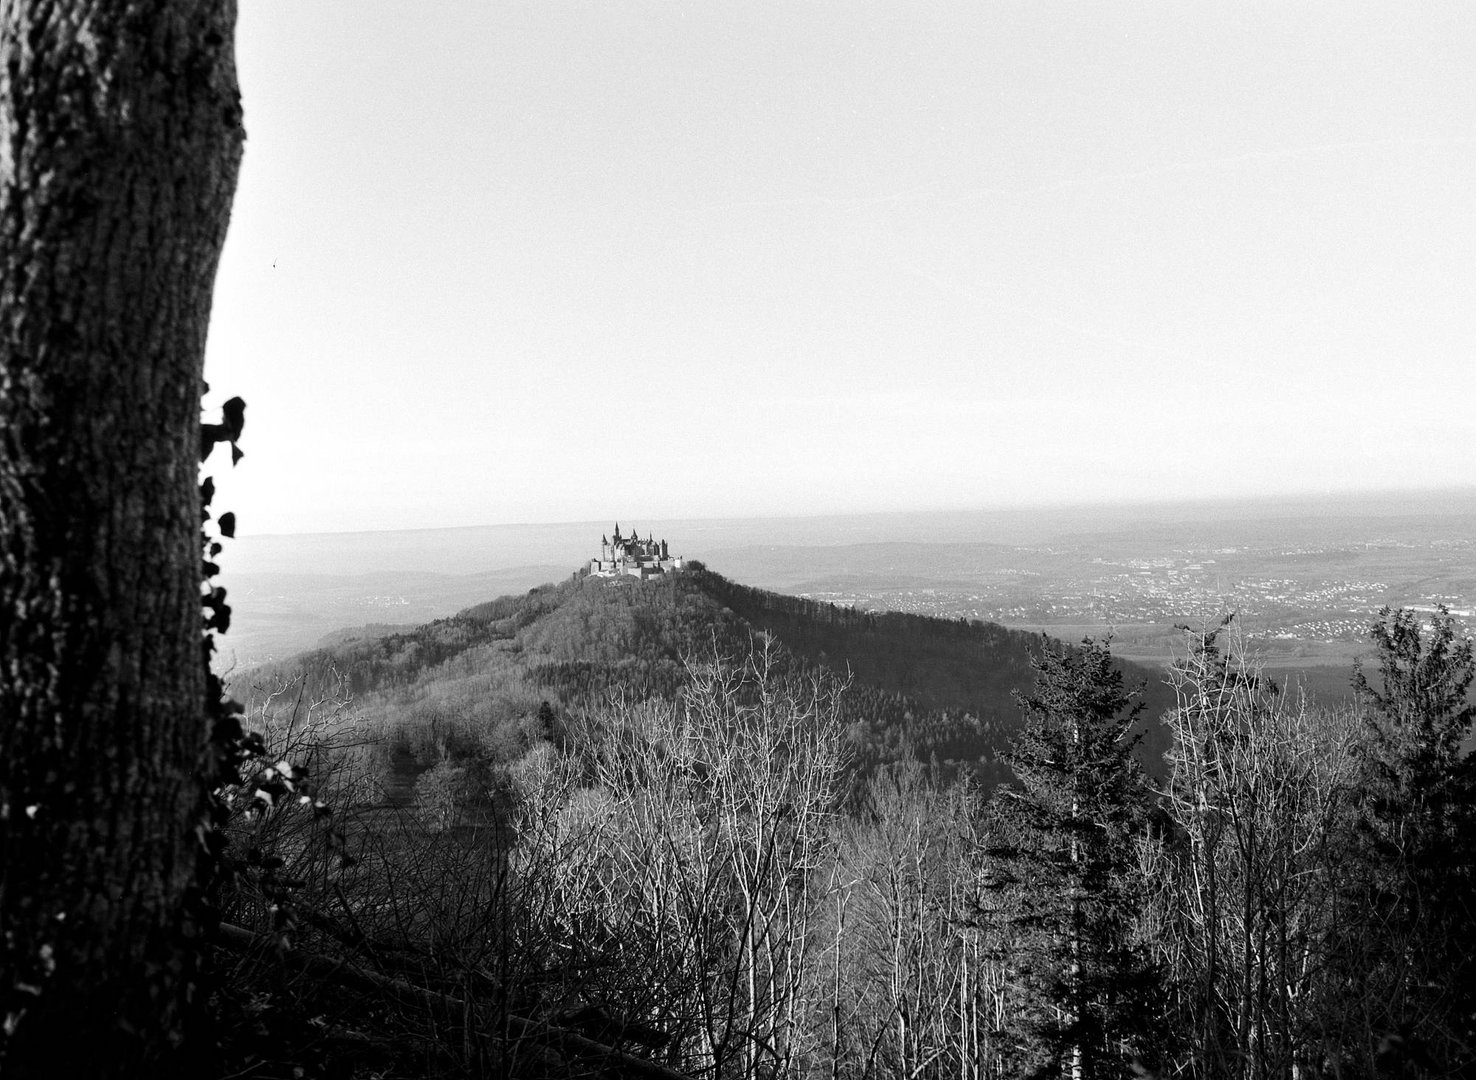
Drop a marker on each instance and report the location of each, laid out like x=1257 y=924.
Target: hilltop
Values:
x=485 y=683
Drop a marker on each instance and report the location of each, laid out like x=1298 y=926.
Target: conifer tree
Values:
x=1416 y=721
x=1417 y=827
x=1065 y=838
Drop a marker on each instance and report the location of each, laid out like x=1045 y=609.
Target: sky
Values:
x=538 y=261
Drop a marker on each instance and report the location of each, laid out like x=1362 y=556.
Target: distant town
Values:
x=1293 y=598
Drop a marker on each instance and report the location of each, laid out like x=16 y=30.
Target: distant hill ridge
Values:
x=926 y=688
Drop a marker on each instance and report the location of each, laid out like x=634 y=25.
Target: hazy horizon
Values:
x=1378 y=502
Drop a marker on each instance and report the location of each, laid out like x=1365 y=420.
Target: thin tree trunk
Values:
x=120 y=141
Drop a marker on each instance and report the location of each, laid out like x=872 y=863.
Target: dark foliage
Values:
x=1067 y=888
x=1416 y=821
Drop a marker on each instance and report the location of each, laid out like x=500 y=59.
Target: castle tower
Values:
x=634 y=555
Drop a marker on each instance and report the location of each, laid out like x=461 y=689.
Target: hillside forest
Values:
x=686 y=828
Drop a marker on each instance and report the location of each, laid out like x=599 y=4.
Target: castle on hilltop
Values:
x=630 y=555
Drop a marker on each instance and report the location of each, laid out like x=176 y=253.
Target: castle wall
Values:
x=633 y=557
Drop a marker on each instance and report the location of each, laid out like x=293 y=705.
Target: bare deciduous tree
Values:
x=1259 y=792
x=697 y=834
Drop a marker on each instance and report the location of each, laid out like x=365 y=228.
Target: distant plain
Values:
x=1305 y=576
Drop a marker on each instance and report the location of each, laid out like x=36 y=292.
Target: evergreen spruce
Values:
x=1064 y=844
x=1417 y=823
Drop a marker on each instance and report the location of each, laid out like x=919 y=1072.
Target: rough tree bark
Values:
x=120 y=142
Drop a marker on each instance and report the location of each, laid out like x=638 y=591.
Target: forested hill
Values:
x=474 y=685
x=934 y=669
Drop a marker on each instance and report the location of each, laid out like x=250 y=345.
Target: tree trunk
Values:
x=120 y=142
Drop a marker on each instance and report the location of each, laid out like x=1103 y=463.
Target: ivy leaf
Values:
x=233 y=419
x=227 y=729
x=233 y=412
x=227 y=524
x=210 y=434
